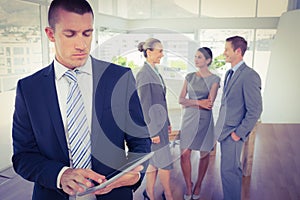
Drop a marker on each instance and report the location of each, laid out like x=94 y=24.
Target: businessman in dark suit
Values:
x=241 y=106
x=42 y=147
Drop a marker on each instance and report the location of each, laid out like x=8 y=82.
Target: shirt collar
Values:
x=60 y=69
x=237 y=66
x=153 y=68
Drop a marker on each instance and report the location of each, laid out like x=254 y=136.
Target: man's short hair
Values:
x=238 y=42
x=76 y=6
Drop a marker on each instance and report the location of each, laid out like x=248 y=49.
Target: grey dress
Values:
x=197 y=125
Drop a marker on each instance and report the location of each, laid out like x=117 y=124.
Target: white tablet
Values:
x=121 y=171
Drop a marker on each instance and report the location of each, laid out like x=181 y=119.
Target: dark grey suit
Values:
x=241 y=106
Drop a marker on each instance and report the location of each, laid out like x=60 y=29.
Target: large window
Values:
x=179 y=51
x=215 y=39
x=20 y=41
x=20 y=55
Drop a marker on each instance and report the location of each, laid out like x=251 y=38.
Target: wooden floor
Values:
x=275 y=173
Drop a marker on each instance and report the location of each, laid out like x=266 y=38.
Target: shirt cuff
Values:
x=139 y=176
x=58 y=185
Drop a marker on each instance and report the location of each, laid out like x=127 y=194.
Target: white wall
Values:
x=7 y=100
x=282 y=91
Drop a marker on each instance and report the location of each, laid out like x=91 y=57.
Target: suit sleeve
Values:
x=253 y=104
x=137 y=137
x=135 y=124
x=28 y=161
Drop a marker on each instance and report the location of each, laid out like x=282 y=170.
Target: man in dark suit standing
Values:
x=241 y=106
x=107 y=120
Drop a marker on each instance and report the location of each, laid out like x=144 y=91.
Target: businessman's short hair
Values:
x=238 y=42
x=76 y=6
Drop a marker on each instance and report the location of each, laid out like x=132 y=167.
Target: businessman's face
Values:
x=72 y=37
x=229 y=53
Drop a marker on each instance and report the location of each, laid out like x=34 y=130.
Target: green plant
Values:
x=218 y=62
x=120 y=60
x=132 y=65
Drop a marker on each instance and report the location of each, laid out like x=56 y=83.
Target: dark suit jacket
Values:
x=39 y=139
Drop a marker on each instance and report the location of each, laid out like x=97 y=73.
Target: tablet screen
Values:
x=118 y=173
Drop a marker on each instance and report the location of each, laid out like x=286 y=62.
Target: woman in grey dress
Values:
x=197 y=127
x=152 y=94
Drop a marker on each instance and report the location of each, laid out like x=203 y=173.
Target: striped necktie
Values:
x=78 y=129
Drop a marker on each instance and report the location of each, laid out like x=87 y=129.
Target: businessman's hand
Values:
x=75 y=180
x=235 y=137
x=130 y=178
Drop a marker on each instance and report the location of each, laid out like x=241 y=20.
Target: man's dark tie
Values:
x=228 y=77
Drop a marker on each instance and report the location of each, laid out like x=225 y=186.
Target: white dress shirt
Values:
x=85 y=82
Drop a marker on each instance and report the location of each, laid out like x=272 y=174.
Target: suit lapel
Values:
x=98 y=69
x=51 y=100
x=155 y=77
x=235 y=76
x=152 y=73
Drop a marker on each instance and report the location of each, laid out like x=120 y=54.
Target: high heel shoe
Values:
x=187 y=197
x=146 y=197
x=195 y=196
